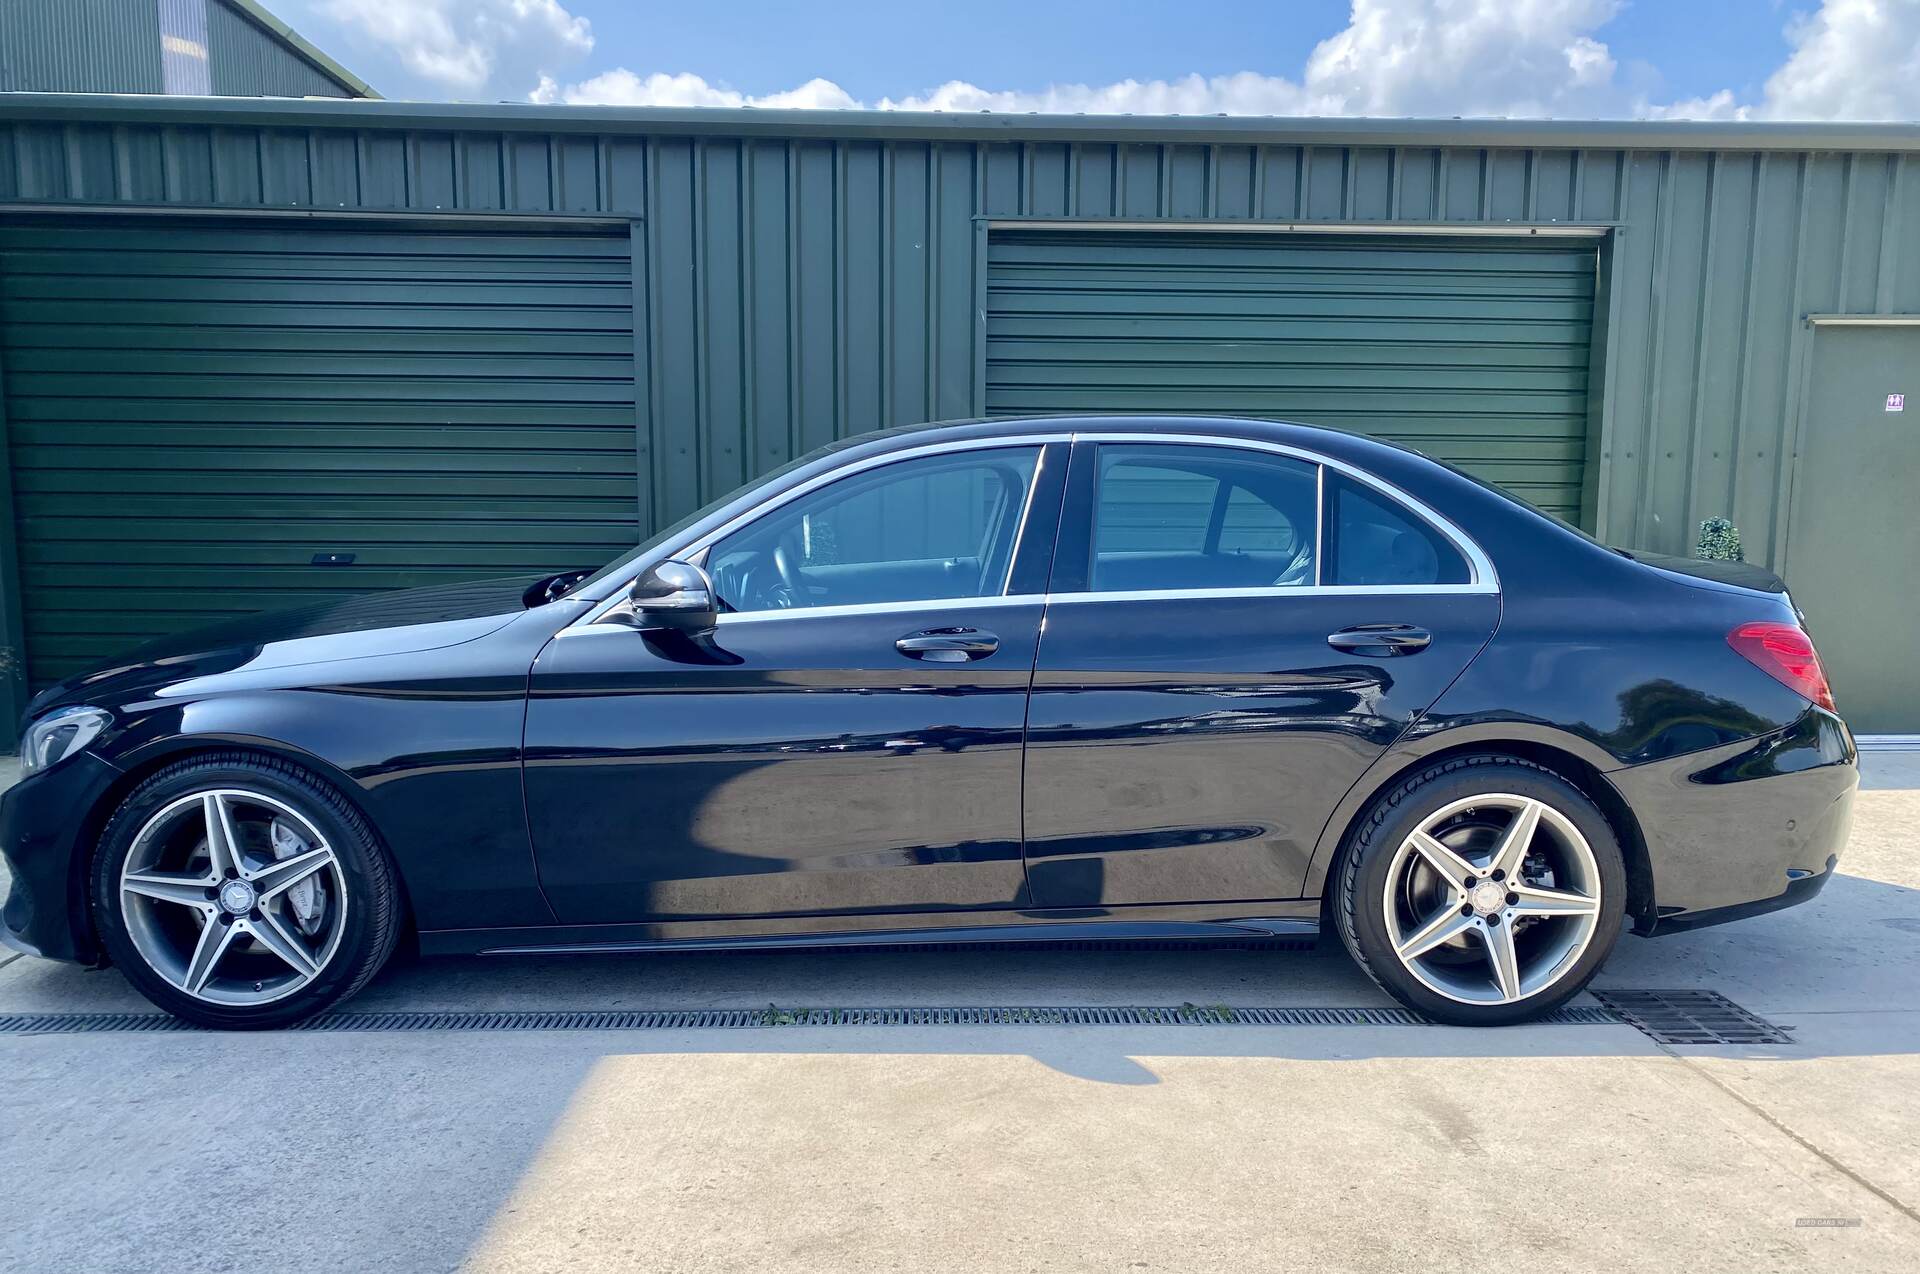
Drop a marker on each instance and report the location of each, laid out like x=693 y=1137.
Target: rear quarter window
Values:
x=1374 y=540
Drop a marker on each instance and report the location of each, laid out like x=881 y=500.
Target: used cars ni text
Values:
x=1003 y=680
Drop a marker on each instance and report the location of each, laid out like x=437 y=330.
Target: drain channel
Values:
x=775 y=1016
x=1691 y=1017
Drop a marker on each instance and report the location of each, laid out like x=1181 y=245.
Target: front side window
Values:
x=1186 y=517
x=926 y=529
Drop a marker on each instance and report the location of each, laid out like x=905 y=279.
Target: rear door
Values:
x=1234 y=634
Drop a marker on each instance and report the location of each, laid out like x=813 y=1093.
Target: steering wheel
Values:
x=790 y=583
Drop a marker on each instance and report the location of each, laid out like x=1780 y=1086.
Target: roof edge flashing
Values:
x=955 y=126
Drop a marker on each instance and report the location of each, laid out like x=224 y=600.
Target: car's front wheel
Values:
x=1481 y=891
x=239 y=891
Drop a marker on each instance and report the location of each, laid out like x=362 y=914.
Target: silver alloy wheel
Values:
x=233 y=897
x=1492 y=899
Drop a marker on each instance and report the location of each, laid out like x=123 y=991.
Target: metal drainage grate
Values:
x=1692 y=1017
x=775 y=1016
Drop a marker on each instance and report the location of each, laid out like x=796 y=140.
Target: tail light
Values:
x=1785 y=653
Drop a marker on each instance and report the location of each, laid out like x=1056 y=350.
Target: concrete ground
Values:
x=1018 y=1148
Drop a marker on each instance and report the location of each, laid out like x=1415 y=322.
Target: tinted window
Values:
x=1185 y=517
x=1373 y=540
x=917 y=530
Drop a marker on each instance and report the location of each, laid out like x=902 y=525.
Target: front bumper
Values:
x=43 y=819
x=1743 y=829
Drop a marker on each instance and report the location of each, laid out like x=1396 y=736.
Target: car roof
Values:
x=1339 y=443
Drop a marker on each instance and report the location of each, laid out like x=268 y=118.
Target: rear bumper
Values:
x=1743 y=829
x=42 y=819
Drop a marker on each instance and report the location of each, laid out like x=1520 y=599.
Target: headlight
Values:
x=59 y=734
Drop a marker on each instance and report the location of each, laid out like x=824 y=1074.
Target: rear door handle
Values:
x=947 y=645
x=1381 y=640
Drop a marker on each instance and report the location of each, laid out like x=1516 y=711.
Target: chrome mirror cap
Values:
x=673 y=594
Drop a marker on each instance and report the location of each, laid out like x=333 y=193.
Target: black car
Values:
x=1007 y=680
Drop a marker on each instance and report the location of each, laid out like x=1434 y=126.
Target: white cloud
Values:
x=1719 y=105
x=1468 y=57
x=1242 y=94
x=622 y=87
x=1395 y=57
x=1854 y=59
x=466 y=46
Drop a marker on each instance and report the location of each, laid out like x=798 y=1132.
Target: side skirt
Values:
x=1215 y=922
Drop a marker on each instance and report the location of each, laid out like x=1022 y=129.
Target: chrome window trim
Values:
x=1484 y=578
x=886 y=608
x=732 y=618
x=1277 y=593
x=1319 y=525
x=1026 y=508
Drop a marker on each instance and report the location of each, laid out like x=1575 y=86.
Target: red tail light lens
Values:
x=1786 y=653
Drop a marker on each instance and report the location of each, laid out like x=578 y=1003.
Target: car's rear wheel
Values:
x=1482 y=890
x=240 y=891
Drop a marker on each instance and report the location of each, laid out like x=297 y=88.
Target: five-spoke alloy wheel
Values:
x=232 y=896
x=1482 y=890
x=240 y=891
x=1491 y=898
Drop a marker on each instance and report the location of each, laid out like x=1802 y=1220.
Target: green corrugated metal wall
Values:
x=1475 y=351
x=198 y=411
x=79 y=46
x=113 y=46
x=808 y=287
x=248 y=62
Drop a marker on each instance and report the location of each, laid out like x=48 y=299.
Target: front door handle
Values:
x=1381 y=640
x=947 y=645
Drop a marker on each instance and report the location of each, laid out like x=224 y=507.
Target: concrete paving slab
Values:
x=1031 y=1149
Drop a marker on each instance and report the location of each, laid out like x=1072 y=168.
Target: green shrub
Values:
x=1719 y=541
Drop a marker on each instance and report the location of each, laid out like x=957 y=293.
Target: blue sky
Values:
x=1821 y=59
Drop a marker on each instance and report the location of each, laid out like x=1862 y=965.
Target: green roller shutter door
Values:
x=1474 y=350
x=197 y=412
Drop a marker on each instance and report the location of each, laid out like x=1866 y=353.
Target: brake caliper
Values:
x=304 y=897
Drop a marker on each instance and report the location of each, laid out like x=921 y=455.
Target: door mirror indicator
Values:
x=674 y=595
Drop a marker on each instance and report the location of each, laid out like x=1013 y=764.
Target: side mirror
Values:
x=674 y=595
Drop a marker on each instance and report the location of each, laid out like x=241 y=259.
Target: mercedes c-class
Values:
x=1011 y=680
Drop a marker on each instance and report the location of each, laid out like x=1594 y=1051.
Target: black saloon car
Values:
x=1006 y=680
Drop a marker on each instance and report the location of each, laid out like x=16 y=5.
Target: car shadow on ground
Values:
x=1853 y=950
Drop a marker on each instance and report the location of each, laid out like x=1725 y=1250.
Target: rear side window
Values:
x=1372 y=540
x=1187 y=517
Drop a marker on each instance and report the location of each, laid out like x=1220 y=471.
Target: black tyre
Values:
x=1481 y=891
x=239 y=891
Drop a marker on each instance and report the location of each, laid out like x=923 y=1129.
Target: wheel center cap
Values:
x=1487 y=896
x=237 y=897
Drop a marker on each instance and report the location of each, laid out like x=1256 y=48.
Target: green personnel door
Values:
x=213 y=419
x=1475 y=350
x=1853 y=545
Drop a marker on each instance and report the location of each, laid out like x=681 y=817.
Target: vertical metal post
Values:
x=13 y=644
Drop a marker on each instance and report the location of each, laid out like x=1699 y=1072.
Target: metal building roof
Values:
x=830 y=124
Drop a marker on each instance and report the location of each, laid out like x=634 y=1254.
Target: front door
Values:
x=1853 y=545
x=1232 y=639
x=848 y=739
